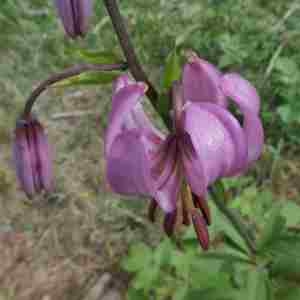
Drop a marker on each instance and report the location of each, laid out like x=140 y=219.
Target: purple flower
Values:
x=74 y=15
x=32 y=157
x=207 y=143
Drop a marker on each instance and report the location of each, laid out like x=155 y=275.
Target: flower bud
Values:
x=74 y=15
x=32 y=157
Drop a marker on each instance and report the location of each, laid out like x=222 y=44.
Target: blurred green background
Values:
x=83 y=226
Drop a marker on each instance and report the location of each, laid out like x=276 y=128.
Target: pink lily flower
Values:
x=207 y=143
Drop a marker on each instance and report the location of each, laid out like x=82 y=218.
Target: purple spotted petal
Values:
x=246 y=97
x=201 y=82
x=213 y=144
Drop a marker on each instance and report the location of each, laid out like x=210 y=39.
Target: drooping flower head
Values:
x=207 y=142
x=32 y=157
x=74 y=15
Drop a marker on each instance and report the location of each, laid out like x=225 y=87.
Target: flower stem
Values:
x=69 y=72
x=128 y=49
x=217 y=193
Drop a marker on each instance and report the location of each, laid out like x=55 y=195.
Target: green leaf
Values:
x=257 y=285
x=134 y=294
x=286 y=266
x=291 y=211
x=180 y=293
x=211 y=294
x=228 y=240
x=172 y=69
x=138 y=258
x=90 y=78
x=273 y=229
x=221 y=255
x=164 y=106
x=290 y=293
x=98 y=57
x=147 y=278
x=162 y=253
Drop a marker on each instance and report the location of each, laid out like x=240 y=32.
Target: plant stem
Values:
x=69 y=72
x=218 y=198
x=128 y=49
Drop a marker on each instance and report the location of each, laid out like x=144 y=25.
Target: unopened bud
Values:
x=75 y=15
x=32 y=157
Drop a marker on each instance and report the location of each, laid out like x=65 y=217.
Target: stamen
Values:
x=200 y=229
x=202 y=204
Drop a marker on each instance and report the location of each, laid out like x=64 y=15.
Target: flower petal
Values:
x=44 y=156
x=236 y=133
x=255 y=136
x=241 y=91
x=84 y=13
x=213 y=145
x=122 y=104
x=121 y=82
x=64 y=8
x=22 y=160
x=128 y=166
x=167 y=196
x=201 y=82
x=246 y=97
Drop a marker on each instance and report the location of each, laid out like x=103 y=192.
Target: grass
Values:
x=83 y=225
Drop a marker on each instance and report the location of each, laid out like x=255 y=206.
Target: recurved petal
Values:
x=255 y=136
x=123 y=102
x=236 y=133
x=128 y=165
x=44 y=157
x=241 y=91
x=246 y=97
x=22 y=160
x=213 y=146
x=201 y=82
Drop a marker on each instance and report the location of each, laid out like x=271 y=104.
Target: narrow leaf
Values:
x=273 y=229
x=98 y=57
x=257 y=285
x=172 y=69
x=90 y=78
